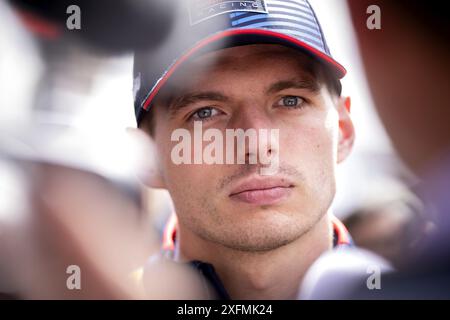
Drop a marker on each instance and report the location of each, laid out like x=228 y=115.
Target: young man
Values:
x=259 y=65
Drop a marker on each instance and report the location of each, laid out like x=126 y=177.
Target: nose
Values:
x=254 y=129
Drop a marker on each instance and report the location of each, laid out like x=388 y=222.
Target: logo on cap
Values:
x=201 y=10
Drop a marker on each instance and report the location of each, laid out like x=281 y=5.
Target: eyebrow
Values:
x=308 y=84
x=185 y=100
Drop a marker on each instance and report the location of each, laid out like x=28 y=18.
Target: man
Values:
x=261 y=66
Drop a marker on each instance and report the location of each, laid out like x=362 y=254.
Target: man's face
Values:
x=253 y=87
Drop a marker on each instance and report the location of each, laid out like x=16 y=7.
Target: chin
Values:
x=261 y=239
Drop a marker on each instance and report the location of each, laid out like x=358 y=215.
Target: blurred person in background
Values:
x=407 y=63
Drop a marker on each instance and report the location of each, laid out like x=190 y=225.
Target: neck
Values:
x=274 y=274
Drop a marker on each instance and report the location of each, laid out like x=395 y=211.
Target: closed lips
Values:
x=261 y=184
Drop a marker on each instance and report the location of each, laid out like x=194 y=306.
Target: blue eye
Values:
x=204 y=113
x=291 y=102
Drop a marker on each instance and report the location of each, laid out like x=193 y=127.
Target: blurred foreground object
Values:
x=407 y=63
x=72 y=221
x=74 y=201
x=391 y=223
x=111 y=26
x=336 y=273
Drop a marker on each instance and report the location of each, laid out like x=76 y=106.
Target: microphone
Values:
x=338 y=273
x=112 y=26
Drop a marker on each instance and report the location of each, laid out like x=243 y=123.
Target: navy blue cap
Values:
x=207 y=25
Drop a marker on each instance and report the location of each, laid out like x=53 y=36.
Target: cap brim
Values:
x=236 y=37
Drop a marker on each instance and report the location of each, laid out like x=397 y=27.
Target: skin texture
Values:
x=249 y=244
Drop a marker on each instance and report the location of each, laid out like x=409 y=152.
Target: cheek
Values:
x=312 y=141
x=186 y=179
x=312 y=149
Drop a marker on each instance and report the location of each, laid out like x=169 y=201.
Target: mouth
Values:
x=262 y=191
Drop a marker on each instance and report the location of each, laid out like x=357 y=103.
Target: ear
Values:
x=151 y=173
x=346 y=129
